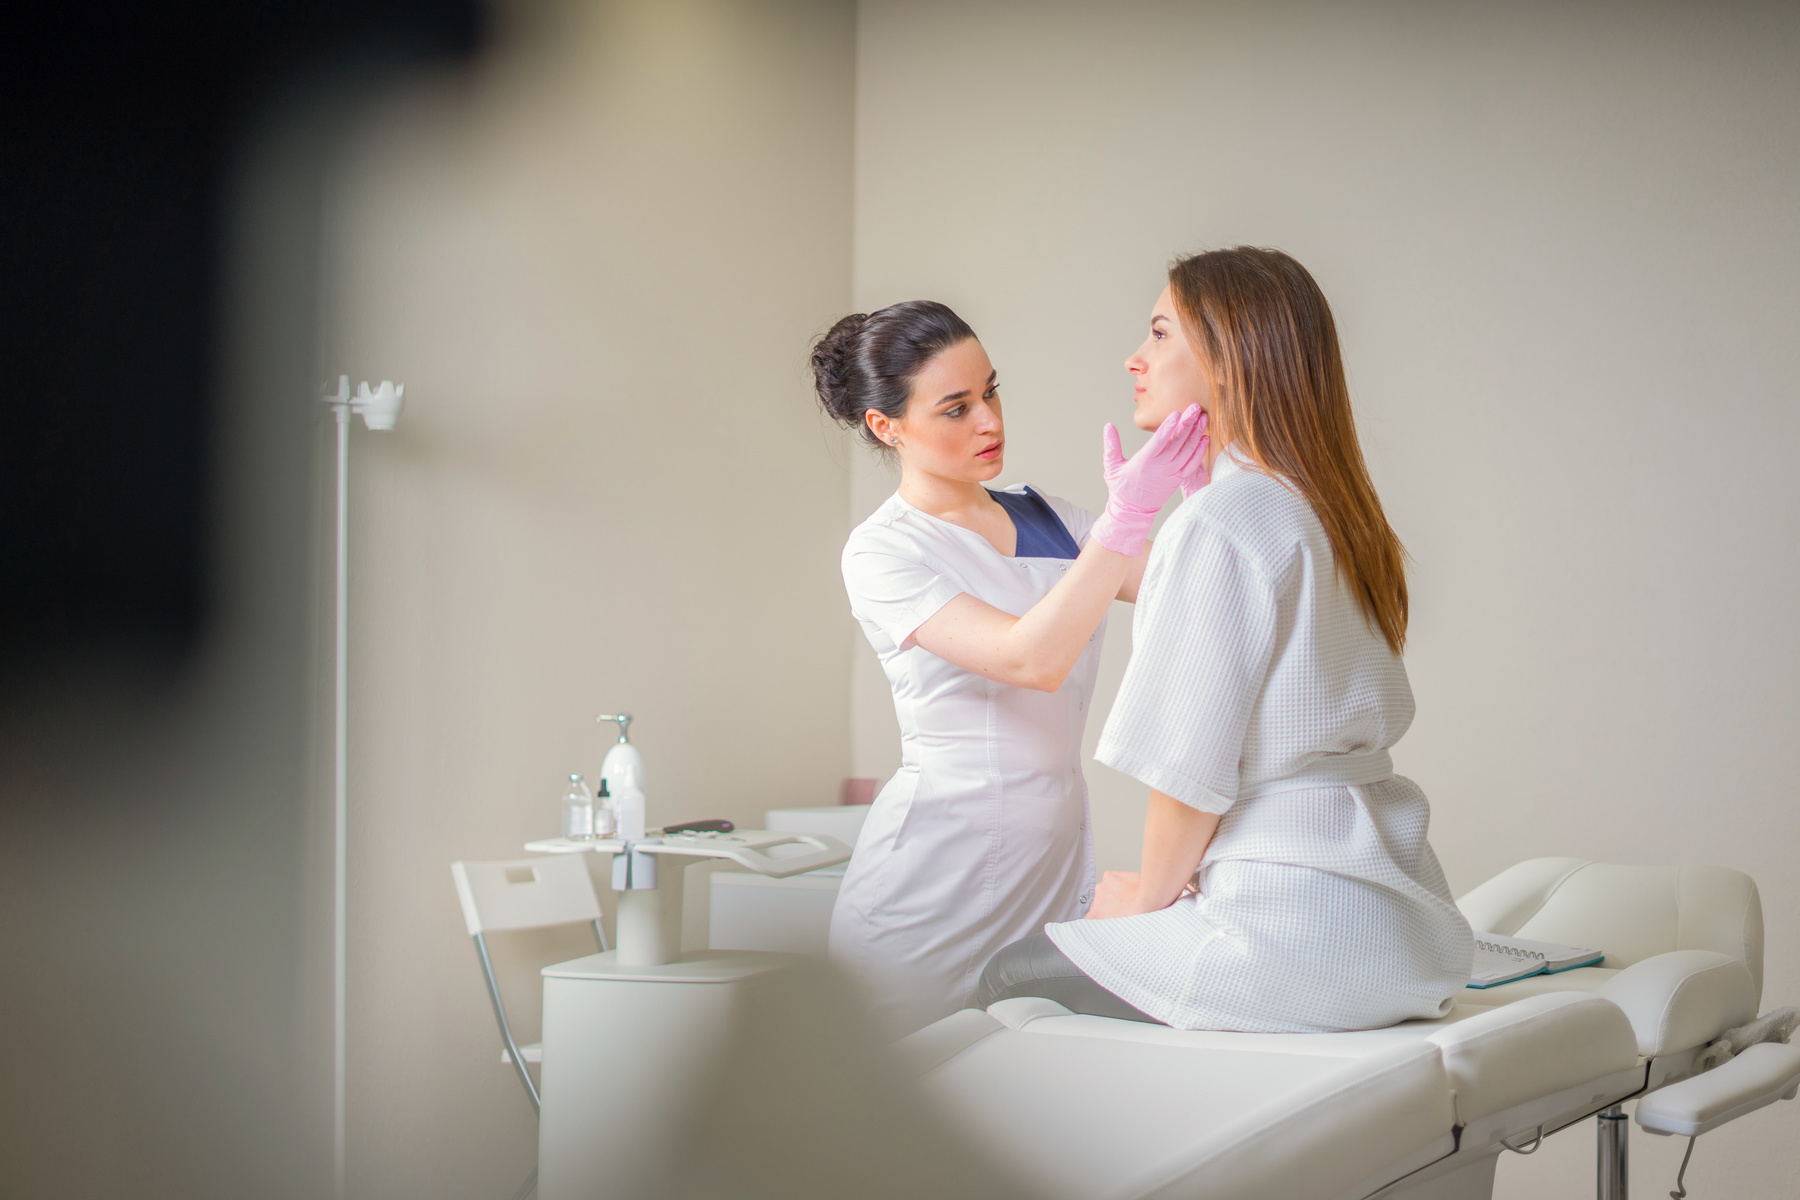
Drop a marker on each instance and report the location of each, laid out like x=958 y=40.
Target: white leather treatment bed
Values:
x=1088 y=1107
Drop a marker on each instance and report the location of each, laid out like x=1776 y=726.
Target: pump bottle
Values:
x=622 y=777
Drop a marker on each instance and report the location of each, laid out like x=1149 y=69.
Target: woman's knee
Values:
x=1018 y=966
x=1036 y=966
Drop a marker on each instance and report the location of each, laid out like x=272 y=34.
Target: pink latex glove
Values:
x=1137 y=488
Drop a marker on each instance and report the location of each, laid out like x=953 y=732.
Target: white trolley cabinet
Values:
x=628 y=1033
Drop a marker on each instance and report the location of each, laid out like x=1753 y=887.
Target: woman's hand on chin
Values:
x=1117 y=896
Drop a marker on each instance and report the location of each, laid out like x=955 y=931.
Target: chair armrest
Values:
x=1682 y=999
x=1760 y=1075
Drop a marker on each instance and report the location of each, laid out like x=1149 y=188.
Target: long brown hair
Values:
x=1264 y=329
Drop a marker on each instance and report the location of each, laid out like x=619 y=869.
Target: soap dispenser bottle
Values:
x=622 y=777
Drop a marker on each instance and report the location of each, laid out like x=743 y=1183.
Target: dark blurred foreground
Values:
x=159 y=478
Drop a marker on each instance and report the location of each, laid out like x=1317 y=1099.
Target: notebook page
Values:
x=1500 y=959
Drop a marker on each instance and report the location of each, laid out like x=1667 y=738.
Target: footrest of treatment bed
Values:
x=1759 y=1076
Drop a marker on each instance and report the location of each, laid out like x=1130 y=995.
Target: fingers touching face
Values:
x=1167 y=369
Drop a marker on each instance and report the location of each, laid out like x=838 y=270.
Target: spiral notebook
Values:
x=1503 y=959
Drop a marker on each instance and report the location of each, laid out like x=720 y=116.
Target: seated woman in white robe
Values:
x=1286 y=884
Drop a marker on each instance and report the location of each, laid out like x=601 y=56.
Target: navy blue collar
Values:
x=1041 y=532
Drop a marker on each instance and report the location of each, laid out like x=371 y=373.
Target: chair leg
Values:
x=506 y=1034
x=528 y=1187
x=1614 y=1153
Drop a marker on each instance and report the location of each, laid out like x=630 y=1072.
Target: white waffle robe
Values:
x=1257 y=690
x=982 y=835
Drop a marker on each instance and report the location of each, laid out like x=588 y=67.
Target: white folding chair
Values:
x=523 y=893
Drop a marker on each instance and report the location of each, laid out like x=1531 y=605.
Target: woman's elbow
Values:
x=1039 y=677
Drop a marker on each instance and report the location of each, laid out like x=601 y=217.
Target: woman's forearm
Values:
x=1175 y=840
x=1048 y=639
x=1134 y=577
x=1039 y=649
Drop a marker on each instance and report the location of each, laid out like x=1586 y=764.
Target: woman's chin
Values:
x=1148 y=419
x=988 y=468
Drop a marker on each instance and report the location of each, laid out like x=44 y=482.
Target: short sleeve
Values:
x=894 y=593
x=1202 y=640
x=1076 y=519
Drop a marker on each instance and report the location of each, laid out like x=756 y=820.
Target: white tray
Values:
x=745 y=847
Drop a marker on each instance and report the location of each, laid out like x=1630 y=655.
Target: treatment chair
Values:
x=1083 y=1106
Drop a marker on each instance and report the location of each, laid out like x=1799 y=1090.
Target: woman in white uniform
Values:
x=1287 y=884
x=985 y=608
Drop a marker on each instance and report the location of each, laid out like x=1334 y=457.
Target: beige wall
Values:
x=596 y=265
x=1562 y=249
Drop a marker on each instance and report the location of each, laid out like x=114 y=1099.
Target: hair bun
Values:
x=833 y=359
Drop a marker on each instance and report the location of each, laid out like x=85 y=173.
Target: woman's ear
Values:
x=881 y=425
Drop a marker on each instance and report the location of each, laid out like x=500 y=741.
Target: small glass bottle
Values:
x=578 y=810
x=606 y=813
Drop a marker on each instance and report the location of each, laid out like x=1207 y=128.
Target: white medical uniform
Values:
x=982 y=835
x=1258 y=690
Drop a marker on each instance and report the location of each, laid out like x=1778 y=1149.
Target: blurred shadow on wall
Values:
x=159 y=954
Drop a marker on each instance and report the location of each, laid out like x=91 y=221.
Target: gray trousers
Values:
x=1033 y=966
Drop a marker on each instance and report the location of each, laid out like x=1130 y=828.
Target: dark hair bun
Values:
x=869 y=360
x=832 y=356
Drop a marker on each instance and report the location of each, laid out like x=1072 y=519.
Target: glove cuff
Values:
x=1123 y=527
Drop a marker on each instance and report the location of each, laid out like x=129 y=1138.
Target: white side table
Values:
x=628 y=1034
x=626 y=1049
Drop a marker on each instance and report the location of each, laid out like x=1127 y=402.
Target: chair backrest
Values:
x=525 y=893
x=1630 y=913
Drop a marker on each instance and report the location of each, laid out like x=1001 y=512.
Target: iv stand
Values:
x=379 y=409
x=340 y=856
